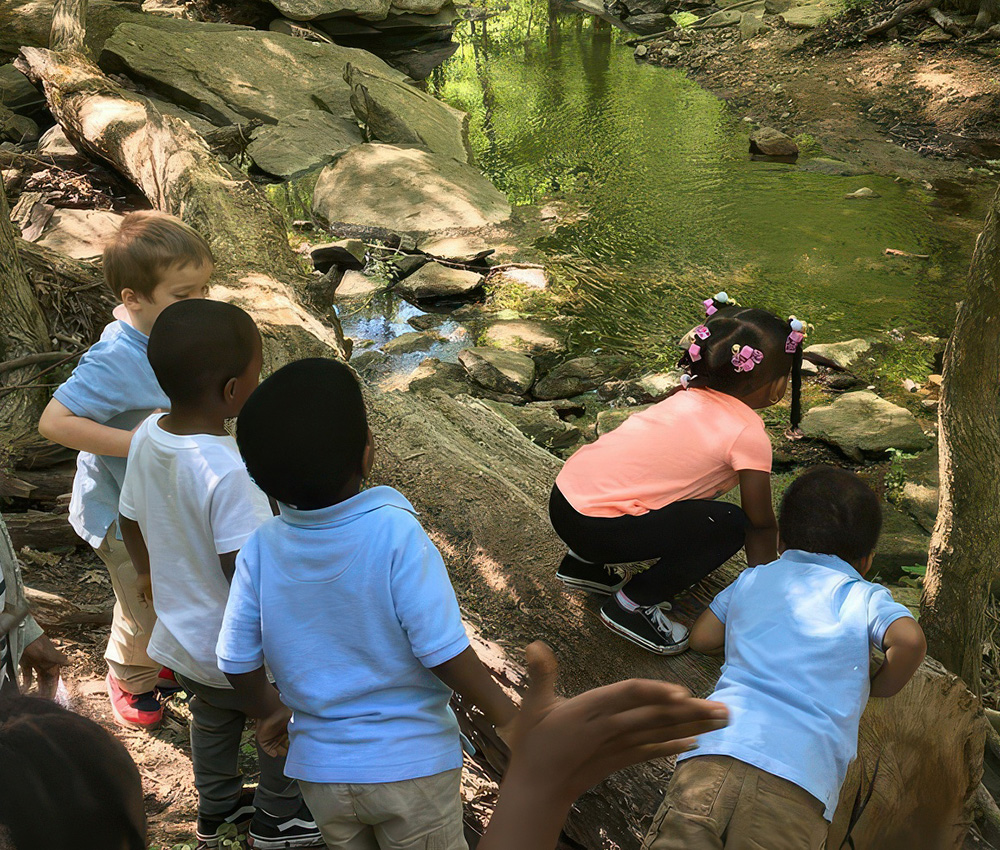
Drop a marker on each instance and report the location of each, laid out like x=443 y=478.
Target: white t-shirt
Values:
x=193 y=500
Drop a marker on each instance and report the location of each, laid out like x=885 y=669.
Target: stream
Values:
x=665 y=205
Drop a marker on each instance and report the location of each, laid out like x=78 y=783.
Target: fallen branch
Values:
x=902 y=11
x=32 y=359
x=946 y=23
x=895 y=252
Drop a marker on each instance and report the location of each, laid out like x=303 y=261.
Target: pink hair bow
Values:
x=694 y=350
x=745 y=358
x=712 y=305
x=795 y=337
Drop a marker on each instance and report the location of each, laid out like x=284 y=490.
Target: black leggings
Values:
x=691 y=539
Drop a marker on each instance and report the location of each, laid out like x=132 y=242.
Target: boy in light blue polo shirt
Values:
x=348 y=602
x=797 y=635
x=153 y=261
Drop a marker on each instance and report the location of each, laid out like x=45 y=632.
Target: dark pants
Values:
x=690 y=539
x=218 y=717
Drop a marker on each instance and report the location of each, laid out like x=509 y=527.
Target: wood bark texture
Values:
x=482 y=488
x=22 y=332
x=965 y=546
x=69 y=25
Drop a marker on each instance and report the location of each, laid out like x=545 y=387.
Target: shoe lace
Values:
x=660 y=621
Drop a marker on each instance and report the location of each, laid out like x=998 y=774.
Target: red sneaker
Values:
x=134 y=711
x=167 y=684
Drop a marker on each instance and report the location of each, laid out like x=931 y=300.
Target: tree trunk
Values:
x=482 y=488
x=69 y=25
x=22 y=332
x=965 y=546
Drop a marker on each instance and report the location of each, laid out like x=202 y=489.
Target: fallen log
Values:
x=52 y=611
x=48 y=486
x=41 y=530
x=482 y=487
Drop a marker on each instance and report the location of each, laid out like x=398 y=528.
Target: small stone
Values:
x=530 y=278
x=413 y=341
x=862 y=193
x=770 y=142
x=499 y=371
x=426 y=321
x=348 y=253
x=658 y=385
x=571 y=378
x=456 y=249
x=436 y=281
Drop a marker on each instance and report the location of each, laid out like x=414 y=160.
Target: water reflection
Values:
x=560 y=109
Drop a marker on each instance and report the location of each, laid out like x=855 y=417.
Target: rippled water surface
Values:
x=675 y=207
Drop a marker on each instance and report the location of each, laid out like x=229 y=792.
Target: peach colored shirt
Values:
x=689 y=446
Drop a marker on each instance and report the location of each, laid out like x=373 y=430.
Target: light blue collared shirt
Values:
x=350 y=606
x=114 y=385
x=798 y=635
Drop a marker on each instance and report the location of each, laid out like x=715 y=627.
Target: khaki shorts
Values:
x=416 y=814
x=716 y=802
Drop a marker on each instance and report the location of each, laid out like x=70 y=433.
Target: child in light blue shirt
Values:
x=348 y=602
x=797 y=635
x=154 y=260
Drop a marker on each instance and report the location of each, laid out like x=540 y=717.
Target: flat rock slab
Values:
x=229 y=75
x=809 y=16
x=576 y=376
x=456 y=249
x=399 y=114
x=524 y=336
x=844 y=354
x=861 y=423
x=55 y=144
x=408 y=343
x=356 y=285
x=497 y=370
x=529 y=278
x=81 y=234
x=541 y=426
x=302 y=142
x=432 y=280
x=312 y=10
x=406 y=190
x=433 y=374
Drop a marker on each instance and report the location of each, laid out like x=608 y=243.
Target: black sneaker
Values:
x=648 y=627
x=211 y=830
x=594 y=578
x=270 y=833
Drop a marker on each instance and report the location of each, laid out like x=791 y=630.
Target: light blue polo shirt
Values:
x=796 y=679
x=114 y=385
x=350 y=606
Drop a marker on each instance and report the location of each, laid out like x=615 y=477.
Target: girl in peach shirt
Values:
x=647 y=489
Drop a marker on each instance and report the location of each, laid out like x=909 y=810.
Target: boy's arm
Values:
x=755 y=499
x=905 y=647
x=467 y=676
x=135 y=545
x=261 y=701
x=708 y=634
x=60 y=425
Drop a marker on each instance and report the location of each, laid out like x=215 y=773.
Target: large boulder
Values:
x=407 y=190
x=19 y=94
x=302 y=142
x=541 y=426
x=399 y=114
x=432 y=280
x=311 y=10
x=356 y=285
x=499 y=371
x=862 y=423
x=649 y=23
x=346 y=253
x=809 y=16
x=579 y=375
x=230 y=75
x=919 y=493
x=844 y=354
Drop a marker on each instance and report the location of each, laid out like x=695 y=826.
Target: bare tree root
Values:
x=903 y=11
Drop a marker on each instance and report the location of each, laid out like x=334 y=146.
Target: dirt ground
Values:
x=924 y=112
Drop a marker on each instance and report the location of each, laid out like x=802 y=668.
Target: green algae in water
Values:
x=676 y=209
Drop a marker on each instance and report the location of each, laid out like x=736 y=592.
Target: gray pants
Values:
x=218 y=717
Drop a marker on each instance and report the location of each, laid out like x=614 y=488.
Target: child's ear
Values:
x=130 y=299
x=866 y=563
x=229 y=390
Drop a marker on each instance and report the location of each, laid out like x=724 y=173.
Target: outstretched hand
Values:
x=562 y=747
x=41 y=663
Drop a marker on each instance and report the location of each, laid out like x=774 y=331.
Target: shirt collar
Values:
x=342 y=512
x=832 y=562
x=132 y=333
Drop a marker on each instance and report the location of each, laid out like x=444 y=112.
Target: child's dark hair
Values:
x=766 y=346
x=303 y=432
x=830 y=511
x=146 y=245
x=197 y=346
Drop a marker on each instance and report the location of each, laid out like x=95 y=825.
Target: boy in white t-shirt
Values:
x=187 y=507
